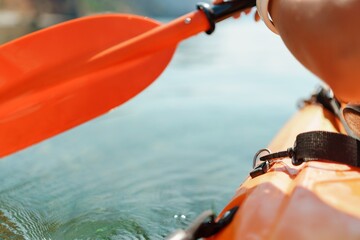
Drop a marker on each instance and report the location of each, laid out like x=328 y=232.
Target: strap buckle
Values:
x=289 y=153
x=263 y=159
x=260 y=167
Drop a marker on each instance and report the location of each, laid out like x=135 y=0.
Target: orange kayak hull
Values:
x=316 y=200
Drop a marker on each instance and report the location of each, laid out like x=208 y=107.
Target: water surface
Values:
x=155 y=163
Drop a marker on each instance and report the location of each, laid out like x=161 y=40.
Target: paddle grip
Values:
x=218 y=12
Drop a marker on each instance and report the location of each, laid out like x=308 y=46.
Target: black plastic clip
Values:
x=260 y=169
x=289 y=153
x=266 y=160
x=210 y=228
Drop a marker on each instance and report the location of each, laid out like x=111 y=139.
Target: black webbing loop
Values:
x=321 y=145
x=327 y=146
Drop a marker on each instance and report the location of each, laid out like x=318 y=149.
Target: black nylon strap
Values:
x=327 y=146
x=321 y=145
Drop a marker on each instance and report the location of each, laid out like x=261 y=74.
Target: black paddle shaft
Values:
x=218 y=12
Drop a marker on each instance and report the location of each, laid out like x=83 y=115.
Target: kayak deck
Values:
x=316 y=200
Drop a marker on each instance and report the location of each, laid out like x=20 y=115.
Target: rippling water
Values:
x=179 y=148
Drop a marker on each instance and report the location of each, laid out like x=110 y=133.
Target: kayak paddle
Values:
x=57 y=78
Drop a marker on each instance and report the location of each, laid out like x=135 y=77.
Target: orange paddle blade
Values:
x=58 y=78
